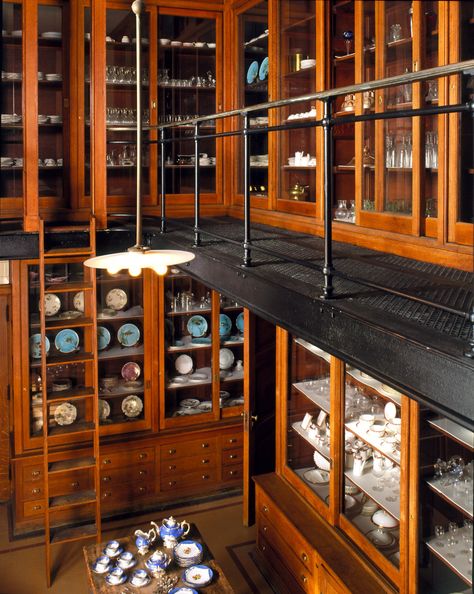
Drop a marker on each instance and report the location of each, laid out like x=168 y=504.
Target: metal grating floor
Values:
x=442 y=285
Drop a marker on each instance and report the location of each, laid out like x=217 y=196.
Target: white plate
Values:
x=198 y=377
x=104 y=409
x=383 y=519
x=52 y=304
x=65 y=414
x=206 y=405
x=321 y=461
x=317 y=476
x=51 y=35
x=180 y=379
x=78 y=301
x=184 y=364
x=226 y=358
x=132 y=406
x=116 y=299
x=381 y=539
x=390 y=411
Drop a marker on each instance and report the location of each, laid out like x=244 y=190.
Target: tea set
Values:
x=115 y=562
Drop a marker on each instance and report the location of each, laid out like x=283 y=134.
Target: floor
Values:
x=22 y=568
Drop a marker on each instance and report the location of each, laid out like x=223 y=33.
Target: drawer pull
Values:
x=172 y=483
x=142 y=473
x=304 y=557
x=232 y=456
x=172 y=451
x=141 y=490
x=304 y=579
x=265 y=528
x=107 y=494
x=36 y=507
x=232 y=440
x=35 y=491
x=143 y=455
x=171 y=467
x=204 y=461
x=204 y=445
x=265 y=509
x=106 y=479
x=205 y=477
x=75 y=484
x=35 y=473
x=263 y=547
x=107 y=461
x=232 y=472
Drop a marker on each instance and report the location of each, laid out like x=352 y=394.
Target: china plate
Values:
x=128 y=335
x=205 y=406
x=317 y=476
x=78 y=301
x=252 y=72
x=390 y=411
x=187 y=549
x=35 y=345
x=226 y=358
x=183 y=364
x=52 y=304
x=132 y=406
x=67 y=340
x=321 y=461
x=198 y=377
x=103 y=337
x=380 y=538
x=70 y=315
x=197 y=326
x=189 y=403
x=180 y=379
x=263 y=71
x=225 y=325
x=116 y=299
x=104 y=409
x=239 y=322
x=198 y=575
x=131 y=371
x=182 y=590
x=65 y=414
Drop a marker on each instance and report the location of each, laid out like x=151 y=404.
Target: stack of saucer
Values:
x=187 y=553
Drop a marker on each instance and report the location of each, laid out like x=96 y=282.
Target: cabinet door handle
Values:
x=204 y=445
x=205 y=461
x=304 y=557
x=265 y=509
x=142 y=456
x=106 y=479
x=263 y=547
x=75 y=484
x=232 y=472
x=141 y=490
x=172 y=451
x=107 y=494
x=107 y=461
x=35 y=491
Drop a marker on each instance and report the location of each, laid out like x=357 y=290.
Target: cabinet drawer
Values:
x=230 y=441
x=175 y=467
x=33 y=508
x=232 y=473
x=127 y=457
x=125 y=492
x=64 y=484
x=293 y=585
x=32 y=473
x=268 y=513
x=233 y=456
x=188 y=448
x=192 y=479
x=138 y=474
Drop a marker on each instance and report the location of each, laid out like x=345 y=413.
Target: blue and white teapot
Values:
x=171 y=530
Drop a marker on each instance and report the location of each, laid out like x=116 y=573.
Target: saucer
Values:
x=114 y=553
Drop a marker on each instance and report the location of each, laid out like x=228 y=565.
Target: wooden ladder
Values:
x=80 y=508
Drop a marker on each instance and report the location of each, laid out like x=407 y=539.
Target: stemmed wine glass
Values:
x=348 y=38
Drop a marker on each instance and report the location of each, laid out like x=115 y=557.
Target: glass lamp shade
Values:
x=136 y=259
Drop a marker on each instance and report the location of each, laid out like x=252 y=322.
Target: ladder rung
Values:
x=66 y=287
x=67 y=228
x=71 y=464
x=73 y=251
x=74 y=323
x=75 y=358
x=72 y=500
x=76 y=533
x=74 y=394
x=71 y=430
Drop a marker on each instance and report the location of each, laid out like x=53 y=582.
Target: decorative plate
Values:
x=225 y=325
x=390 y=411
x=182 y=590
x=189 y=403
x=103 y=338
x=239 y=322
x=197 y=326
x=317 y=476
x=65 y=414
x=187 y=549
x=205 y=406
x=252 y=72
x=116 y=299
x=201 y=340
x=52 y=304
x=381 y=539
x=263 y=71
x=35 y=345
x=78 y=301
x=198 y=575
x=104 y=409
x=226 y=358
x=67 y=340
x=128 y=335
x=198 y=377
x=132 y=406
x=184 y=364
x=70 y=315
x=321 y=461
x=131 y=371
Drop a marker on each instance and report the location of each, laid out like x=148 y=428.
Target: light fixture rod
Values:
x=137 y=8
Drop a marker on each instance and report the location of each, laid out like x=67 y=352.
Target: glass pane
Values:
x=372 y=461
x=121 y=101
x=430 y=161
x=343 y=61
x=53 y=112
x=298 y=64
x=308 y=406
x=231 y=358
x=11 y=130
x=188 y=345
x=120 y=342
x=369 y=105
x=87 y=106
x=254 y=68
x=398 y=166
x=446 y=504
x=187 y=88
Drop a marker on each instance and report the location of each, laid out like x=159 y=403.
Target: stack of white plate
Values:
x=187 y=553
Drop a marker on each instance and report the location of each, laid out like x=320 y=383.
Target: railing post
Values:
x=247 y=239
x=197 y=186
x=328 y=268
x=163 y=181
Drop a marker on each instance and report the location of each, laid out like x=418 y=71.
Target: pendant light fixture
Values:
x=138 y=257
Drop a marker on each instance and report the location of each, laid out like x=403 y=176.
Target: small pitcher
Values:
x=143 y=540
x=359 y=465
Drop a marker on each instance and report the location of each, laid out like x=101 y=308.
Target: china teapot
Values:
x=298 y=191
x=171 y=530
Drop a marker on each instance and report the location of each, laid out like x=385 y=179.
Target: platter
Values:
x=317 y=476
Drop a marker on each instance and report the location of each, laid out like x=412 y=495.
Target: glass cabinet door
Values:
x=121 y=109
x=124 y=395
x=187 y=71
x=254 y=70
x=373 y=475
x=11 y=130
x=446 y=503
x=298 y=77
x=231 y=356
x=307 y=439
x=188 y=389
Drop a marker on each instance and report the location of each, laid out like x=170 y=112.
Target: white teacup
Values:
x=125 y=559
x=365 y=422
x=138 y=577
x=102 y=562
x=125 y=39
x=49 y=162
x=116 y=575
x=112 y=547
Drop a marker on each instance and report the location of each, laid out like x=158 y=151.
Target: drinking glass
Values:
x=341 y=211
x=395 y=32
x=348 y=38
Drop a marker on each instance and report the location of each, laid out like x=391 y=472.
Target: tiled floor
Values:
x=22 y=565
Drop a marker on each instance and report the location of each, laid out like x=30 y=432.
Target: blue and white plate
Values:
x=183 y=590
x=197 y=326
x=35 y=345
x=128 y=335
x=252 y=72
x=66 y=341
x=225 y=325
x=263 y=72
x=201 y=340
x=239 y=322
x=198 y=575
x=103 y=338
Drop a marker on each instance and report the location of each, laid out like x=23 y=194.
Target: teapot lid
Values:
x=169 y=521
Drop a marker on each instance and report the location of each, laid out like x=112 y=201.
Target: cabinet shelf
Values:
x=366 y=483
x=302 y=73
x=59 y=324
x=119 y=352
x=187 y=87
x=321 y=491
x=298 y=167
x=300 y=23
x=176 y=386
x=70 y=430
x=313 y=349
x=374 y=444
x=458 y=563
x=186 y=348
x=375 y=384
x=68 y=287
x=345 y=58
x=451 y=429
x=189 y=166
x=449 y=494
x=189 y=312
x=323 y=450
x=65 y=360
x=322 y=400
x=399 y=42
x=120 y=391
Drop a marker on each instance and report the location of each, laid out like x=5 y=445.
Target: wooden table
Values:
x=98 y=585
